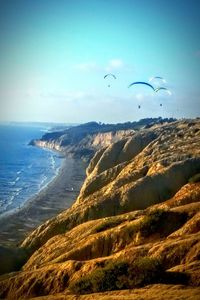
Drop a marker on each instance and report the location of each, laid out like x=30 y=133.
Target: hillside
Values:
x=84 y=140
x=133 y=229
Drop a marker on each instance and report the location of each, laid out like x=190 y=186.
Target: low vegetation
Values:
x=119 y=275
x=160 y=221
x=195 y=178
x=110 y=223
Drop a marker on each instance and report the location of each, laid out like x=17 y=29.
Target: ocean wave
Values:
x=43 y=181
x=13 y=196
x=53 y=162
x=10 y=201
x=25 y=170
x=57 y=170
x=13 y=182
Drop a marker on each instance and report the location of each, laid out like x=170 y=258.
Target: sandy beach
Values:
x=57 y=196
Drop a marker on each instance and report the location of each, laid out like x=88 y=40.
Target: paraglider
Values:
x=142 y=82
x=157 y=78
x=155 y=89
x=108 y=75
x=163 y=88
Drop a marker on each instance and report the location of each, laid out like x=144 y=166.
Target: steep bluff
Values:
x=83 y=140
x=139 y=205
x=87 y=145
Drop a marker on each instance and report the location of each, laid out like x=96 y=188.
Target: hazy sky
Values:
x=55 y=53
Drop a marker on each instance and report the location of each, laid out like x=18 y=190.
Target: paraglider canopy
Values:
x=110 y=75
x=156 y=78
x=163 y=88
x=142 y=82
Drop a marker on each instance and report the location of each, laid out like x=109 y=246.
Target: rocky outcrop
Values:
x=140 y=204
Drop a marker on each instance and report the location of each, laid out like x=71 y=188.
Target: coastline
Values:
x=33 y=196
x=58 y=195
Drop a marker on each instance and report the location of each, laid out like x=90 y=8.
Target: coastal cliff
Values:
x=134 y=227
x=84 y=140
x=87 y=145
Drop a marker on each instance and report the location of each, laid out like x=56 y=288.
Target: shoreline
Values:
x=58 y=195
x=34 y=196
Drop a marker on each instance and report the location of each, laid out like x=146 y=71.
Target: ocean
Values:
x=24 y=169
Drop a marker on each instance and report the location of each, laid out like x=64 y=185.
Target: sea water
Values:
x=24 y=169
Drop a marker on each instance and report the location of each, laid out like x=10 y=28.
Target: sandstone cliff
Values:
x=83 y=140
x=137 y=213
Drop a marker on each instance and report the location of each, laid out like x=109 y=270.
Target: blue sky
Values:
x=55 y=53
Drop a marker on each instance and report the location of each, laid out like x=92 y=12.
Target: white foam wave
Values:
x=12 y=197
x=17 y=179
x=11 y=182
x=53 y=162
x=44 y=179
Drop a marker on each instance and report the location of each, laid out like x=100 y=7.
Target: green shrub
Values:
x=195 y=178
x=145 y=270
x=107 y=225
x=82 y=286
x=176 y=278
x=101 y=279
x=119 y=275
x=132 y=229
x=149 y=224
x=152 y=221
x=162 y=221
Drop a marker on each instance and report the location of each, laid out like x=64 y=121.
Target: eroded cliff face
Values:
x=83 y=140
x=141 y=198
x=87 y=145
x=48 y=144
